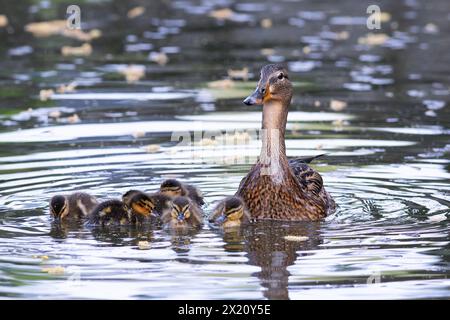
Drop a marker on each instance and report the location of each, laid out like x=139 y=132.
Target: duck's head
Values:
x=181 y=209
x=273 y=85
x=142 y=204
x=171 y=188
x=127 y=196
x=232 y=213
x=59 y=207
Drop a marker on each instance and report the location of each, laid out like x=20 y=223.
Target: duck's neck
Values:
x=273 y=151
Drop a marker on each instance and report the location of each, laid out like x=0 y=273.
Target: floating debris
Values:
x=46 y=94
x=239 y=74
x=159 y=57
x=267 y=51
x=296 y=238
x=144 y=245
x=266 y=23
x=83 y=50
x=138 y=134
x=221 y=84
x=73 y=119
x=317 y=103
x=54 y=270
x=338 y=105
x=133 y=73
x=222 y=14
x=374 y=39
x=40 y=257
x=55 y=114
x=46 y=28
x=135 y=12
x=437 y=218
x=3 y=21
x=81 y=35
x=59 y=27
x=64 y=88
x=431 y=28
x=152 y=148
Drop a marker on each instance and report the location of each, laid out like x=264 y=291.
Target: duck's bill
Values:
x=221 y=219
x=256 y=98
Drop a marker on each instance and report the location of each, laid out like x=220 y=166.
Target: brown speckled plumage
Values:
x=276 y=188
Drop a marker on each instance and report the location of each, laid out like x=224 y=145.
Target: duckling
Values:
x=275 y=188
x=230 y=212
x=174 y=188
x=126 y=197
x=143 y=206
x=109 y=212
x=184 y=214
x=75 y=205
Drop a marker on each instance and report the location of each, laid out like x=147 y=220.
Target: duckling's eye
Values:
x=280 y=76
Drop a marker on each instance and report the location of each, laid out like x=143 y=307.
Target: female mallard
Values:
x=230 y=213
x=174 y=188
x=76 y=205
x=184 y=214
x=276 y=188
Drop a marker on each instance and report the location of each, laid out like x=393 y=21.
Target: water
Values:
x=387 y=165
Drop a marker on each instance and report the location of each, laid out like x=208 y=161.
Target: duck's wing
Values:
x=308 y=178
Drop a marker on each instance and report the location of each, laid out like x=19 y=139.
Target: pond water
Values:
x=387 y=147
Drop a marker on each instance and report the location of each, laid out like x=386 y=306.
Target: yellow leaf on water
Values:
x=135 y=12
x=54 y=270
x=3 y=21
x=296 y=238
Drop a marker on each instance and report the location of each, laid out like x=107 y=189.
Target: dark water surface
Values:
x=387 y=165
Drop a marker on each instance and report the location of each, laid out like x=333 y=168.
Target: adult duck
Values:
x=276 y=188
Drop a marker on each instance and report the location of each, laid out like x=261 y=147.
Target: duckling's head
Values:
x=181 y=209
x=59 y=207
x=127 y=196
x=273 y=85
x=142 y=204
x=171 y=188
x=233 y=211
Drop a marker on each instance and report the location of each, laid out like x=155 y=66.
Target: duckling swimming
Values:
x=145 y=207
x=184 y=214
x=276 y=188
x=230 y=213
x=109 y=212
x=174 y=188
x=76 y=205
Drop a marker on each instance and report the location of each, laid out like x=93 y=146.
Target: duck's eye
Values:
x=280 y=76
x=263 y=90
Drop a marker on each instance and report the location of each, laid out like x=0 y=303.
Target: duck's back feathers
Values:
x=109 y=212
x=81 y=204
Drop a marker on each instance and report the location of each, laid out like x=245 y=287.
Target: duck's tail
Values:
x=305 y=159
